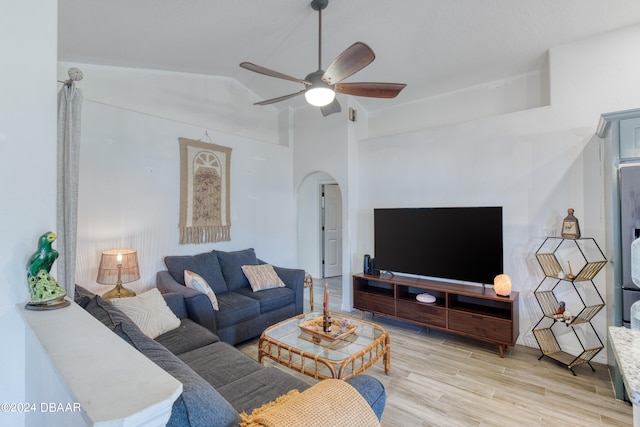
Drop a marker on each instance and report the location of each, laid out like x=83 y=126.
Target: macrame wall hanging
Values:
x=204 y=192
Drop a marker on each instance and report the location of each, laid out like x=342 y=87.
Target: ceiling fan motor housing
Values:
x=319 y=4
x=315 y=79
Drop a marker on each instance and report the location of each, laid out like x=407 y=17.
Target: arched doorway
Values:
x=319 y=230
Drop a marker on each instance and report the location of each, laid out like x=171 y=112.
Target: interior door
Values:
x=331 y=230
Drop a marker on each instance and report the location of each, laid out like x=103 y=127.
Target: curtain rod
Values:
x=75 y=75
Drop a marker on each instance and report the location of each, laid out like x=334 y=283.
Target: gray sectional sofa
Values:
x=243 y=314
x=218 y=380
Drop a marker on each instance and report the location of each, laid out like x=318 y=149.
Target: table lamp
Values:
x=118 y=266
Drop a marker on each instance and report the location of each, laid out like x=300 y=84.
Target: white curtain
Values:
x=69 y=108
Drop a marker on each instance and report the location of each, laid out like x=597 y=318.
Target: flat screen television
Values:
x=455 y=243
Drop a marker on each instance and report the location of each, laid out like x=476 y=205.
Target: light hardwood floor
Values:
x=440 y=379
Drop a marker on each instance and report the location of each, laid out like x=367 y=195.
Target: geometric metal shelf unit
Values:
x=559 y=258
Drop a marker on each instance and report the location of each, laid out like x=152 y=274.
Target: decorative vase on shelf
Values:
x=570 y=226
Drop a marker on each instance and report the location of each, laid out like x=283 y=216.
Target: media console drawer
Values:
x=375 y=303
x=481 y=326
x=428 y=314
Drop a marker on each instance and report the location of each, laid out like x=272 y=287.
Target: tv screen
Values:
x=456 y=243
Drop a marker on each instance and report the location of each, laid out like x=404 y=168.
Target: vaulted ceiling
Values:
x=435 y=46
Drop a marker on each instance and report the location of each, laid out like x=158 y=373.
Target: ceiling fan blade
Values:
x=372 y=89
x=280 y=98
x=333 y=107
x=353 y=59
x=267 y=72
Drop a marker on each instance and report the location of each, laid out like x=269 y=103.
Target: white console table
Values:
x=90 y=375
x=626 y=348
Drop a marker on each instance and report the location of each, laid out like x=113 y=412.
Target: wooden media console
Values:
x=472 y=311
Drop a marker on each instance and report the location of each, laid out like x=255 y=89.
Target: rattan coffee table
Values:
x=289 y=345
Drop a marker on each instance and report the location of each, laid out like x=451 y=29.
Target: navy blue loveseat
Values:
x=243 y=314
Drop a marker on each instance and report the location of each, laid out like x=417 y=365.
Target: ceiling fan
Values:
x=321 y=86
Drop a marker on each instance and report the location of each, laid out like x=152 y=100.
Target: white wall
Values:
x=129 y=191
x=517 y=93
x=27 y=171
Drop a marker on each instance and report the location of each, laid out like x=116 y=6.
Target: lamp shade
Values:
x=502 y=285
x=111 y=260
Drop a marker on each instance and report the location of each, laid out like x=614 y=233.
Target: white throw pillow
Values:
x=197 y=282
x=149 y=311
x=262 y=277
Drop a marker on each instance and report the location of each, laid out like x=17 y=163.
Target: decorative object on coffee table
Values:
x=205 y=209
x=118 y=266
x=570 y=226
x=502 y=285
x=326 y=317
x=315 y=328
x=46 y=293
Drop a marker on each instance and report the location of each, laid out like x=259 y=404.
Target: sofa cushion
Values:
x=205 y=264
x=270 y=299
x=199 y=404
x=231 y=264
x=262 y=277
x=81 y=296
x=108 y=314
x=256 y=389
x=149 y=311
x=197 y=282
x=220 y=364
x=188 y=336
x=235 y=308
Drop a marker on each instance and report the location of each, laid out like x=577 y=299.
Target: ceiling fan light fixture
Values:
x=319 y=96
x=320 y=87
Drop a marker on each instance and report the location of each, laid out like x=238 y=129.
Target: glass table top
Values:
x=290 y=334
